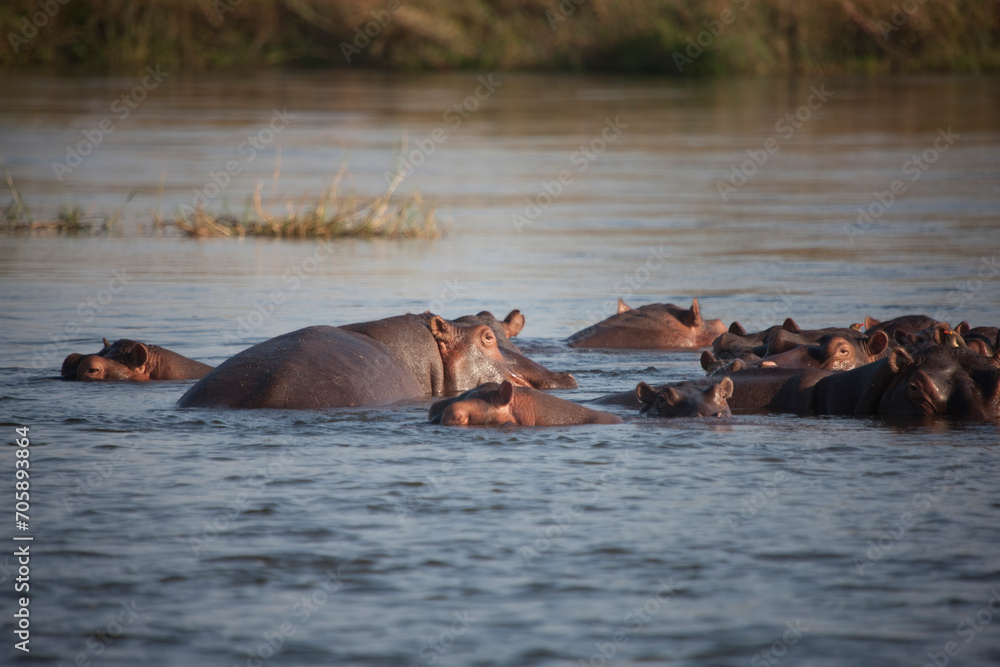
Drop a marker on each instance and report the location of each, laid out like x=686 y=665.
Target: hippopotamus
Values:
x=736 y=349
x=789 y=346
x=407 y=335
x=496 y=404
x=904 y=323
x=504 y=329
x=936 y=381
x=131 y=360
x=655 y=326
x=839 y=351
x=533 y=373
x=686 y=399
x=367 y=363
x=697 y=393
x=939 y=334
x=984 y=340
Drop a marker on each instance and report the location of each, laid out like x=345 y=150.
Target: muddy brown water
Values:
x=368 y=537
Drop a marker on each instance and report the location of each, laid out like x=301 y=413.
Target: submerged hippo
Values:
x=367 y=363
x=936 y=381
x=789 y=346
x=496 y=404
x=656 y=326
x=131 y=360
x=686 y=399
x=984 y=340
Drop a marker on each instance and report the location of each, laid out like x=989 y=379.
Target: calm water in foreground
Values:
x=368 y=537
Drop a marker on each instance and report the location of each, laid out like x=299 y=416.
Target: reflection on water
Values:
x=220 y=531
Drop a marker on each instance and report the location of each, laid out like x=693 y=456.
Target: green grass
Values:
x=331 y=216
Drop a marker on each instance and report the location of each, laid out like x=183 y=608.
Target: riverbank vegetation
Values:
x=677 y=37
x=332 y=215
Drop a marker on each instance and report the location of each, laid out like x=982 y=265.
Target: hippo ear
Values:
x=106 y=343
x=871 y=322
x=441 y=329
x=69 y=366
x=693 y=316
x=726 y=386
x=737 y=365
x=963 y=328
x=709 y=362
x=900 y=360
x=506 y=393
x=622 y=306
x=790 y=326
x=136 y=357
x=669 y=397
x=737 y=328
x=902 y=338
x=877 y=343
x=513 y=323
x=645 y=393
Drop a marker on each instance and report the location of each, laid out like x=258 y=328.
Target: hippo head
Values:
x=686 y=399
x=952 y=381
x=123 y=360
x=939 y=334
x=488 y=404
x=834 y=352
x=469 y=354
x=504 y=329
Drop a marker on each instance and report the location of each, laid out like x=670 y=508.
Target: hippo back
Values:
x=312 y=368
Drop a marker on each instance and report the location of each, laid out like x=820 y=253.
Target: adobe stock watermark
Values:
x=563 y=11
x=298 y=615
x=440 y=644
x=580 y=160
x=967 y=290
x=563 y=520
x=775 y=312
x=756 y=501
x=914 y=168
x=101 y=639
x=31 y=25
x=364 y=34
x=454 y=117
x=96 y=474
x=706 y=38
x=211 y=530
x=786 y=127
x=779 y=648
x=121 y=108
x=247 y=149
x=265 y=308
x=432 y=484
x=223 y=7
x=968 y=628
x=88 y=310
x=633 y=622
x=629 y=283
x=922 y=503
x=901 y=14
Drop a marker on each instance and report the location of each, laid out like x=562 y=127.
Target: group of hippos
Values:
x=910 y=366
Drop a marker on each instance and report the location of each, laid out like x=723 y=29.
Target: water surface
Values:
x=368 y=537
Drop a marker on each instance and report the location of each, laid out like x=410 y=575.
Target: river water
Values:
x=369 y=537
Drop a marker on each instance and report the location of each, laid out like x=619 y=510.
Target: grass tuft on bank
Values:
x=331 y=216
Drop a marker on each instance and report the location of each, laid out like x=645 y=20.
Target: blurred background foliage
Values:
x=627 y=36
